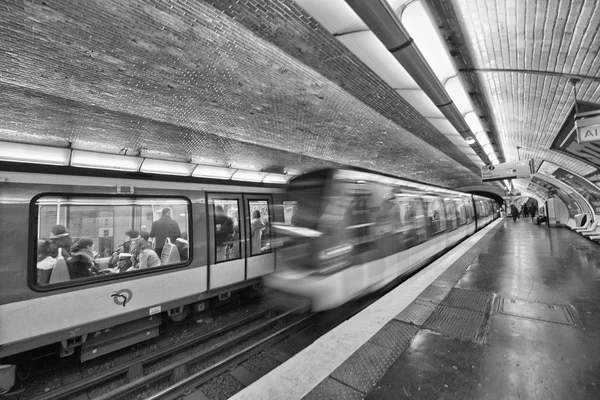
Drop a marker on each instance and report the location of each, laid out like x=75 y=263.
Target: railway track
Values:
x=136 y=373
x=186 y=388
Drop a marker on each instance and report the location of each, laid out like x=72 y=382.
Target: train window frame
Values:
x=270 y=223
x=240 y=203
x=441 y=220
x=98 y=279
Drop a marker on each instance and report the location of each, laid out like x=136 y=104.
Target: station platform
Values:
x=513 y=312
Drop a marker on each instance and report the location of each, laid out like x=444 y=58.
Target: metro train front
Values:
x=352 y=232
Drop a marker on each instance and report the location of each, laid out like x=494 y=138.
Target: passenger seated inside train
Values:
x=183 y=246
x=46 y=260
x=145 y=257
x=82 y=264
x=60 y=238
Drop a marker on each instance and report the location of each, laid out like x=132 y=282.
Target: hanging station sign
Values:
x=588 y=126
x=509 y=170
x=567 y=139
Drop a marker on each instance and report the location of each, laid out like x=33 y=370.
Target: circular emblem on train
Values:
x=122 y=297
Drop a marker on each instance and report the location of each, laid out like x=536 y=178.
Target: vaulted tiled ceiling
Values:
x=260 y=84
x=520 y=57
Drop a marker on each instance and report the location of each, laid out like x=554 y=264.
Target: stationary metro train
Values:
x=353 y=232
x=45 y=306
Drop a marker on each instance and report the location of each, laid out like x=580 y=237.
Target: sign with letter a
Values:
x=588 y=127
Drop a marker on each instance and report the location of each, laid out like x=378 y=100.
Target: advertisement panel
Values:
x=587 y=190
x=568 y=200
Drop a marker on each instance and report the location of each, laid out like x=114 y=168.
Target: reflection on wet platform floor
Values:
x=539 y=336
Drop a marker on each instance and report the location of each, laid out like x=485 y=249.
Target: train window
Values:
x=450 y=214
x=289 y=208
x=227 y=229
x=260 y=229
x=435 y=214
x=84 y=237
x=358 y=216
x=461 y=213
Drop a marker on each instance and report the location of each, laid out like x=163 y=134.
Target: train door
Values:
x=259 y=246
x=226 y=235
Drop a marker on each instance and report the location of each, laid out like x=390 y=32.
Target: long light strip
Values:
x=89 y=159
x=154 y=166
x=339 y=19
x=417 y=22
x=29 y=153
x=47 y=155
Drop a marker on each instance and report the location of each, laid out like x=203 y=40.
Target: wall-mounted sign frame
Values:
x=508 y=170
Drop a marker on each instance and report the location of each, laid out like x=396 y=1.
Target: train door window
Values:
x=358 y=218
x=81 y=237
x=469 y=210
x=461 y=214
x=450 y=214
x=435 y=214
x=260 y=227
x=227 y=229
x=289 y=208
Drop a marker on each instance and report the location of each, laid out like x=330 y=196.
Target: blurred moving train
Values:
x=346 y=232
x=354 y=232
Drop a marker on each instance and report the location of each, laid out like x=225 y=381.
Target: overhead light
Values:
x=29 y=153
x=277 y=178
x=473 y=121
x=154 y=166
x=459 y=96
x=206 y=171
x=488 y=149
x=470 y=140
x=494 y=159
x=482 y=138
x=249 y=176
x=89 y=159
x=417 y=22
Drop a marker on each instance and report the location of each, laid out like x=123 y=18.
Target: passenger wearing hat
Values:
x=61 y=240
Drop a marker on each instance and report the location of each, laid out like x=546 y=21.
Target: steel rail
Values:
x=180 y=388
x=182 y=363
x=86 y=383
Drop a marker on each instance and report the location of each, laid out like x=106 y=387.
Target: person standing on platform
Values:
x=525 y=210
x=514 y=211
x=162 y=229
x=533 y=210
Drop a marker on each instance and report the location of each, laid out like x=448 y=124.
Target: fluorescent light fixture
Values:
x=443 y=125
x=420 y=27
x=30 y=153
x=89 y=159
x=335 y=15
x=488 y=149
x=421 y=102
x=249 y=176
x=494 y=159
x=459 y=96
x=470 y=140
x=277 y=178
x=366 y=46
x=154 y=166
x=482 y=138
x=473 y=121
x=206 y=171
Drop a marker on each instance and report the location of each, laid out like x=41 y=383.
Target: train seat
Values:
x=60 y=273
